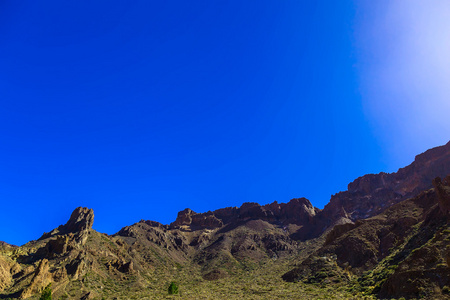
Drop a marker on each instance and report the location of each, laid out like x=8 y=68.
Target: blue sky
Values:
x=139 y=110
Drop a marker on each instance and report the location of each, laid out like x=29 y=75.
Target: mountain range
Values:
x=387 y=236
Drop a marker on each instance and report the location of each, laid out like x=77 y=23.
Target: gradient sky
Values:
x=140 y=109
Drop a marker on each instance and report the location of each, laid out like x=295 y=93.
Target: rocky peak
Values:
x=80 y=223
x=184 y=217
x=432 y=154
x=82 y=219
x=254 y=211
x=227 y=214
x=368 y=183
x=298 y=208
x=297 y=211
x=370 y=194
x=189 y=219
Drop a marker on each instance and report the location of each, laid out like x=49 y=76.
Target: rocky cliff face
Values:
x=298 y=211
x=213 y=239
x=66 y=256
x=392 y=225
x=402 y=252
x=82 y=219
x=79 y=225
x=5 y=273
x=371 y=194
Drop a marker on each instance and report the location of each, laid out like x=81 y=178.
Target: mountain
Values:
x=370 y=194
x=402 y=252
x=386 y=236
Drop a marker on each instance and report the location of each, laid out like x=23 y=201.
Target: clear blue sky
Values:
x=139 y=109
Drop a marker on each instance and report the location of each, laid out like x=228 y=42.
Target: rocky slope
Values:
x=366 y=196
x=402 y=252
x=385 y=227
x=81 y=263
x=370 y=194
x=217 y=241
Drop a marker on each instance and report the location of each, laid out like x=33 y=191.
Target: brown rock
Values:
x=121 y=266
x=298 y=211
x=196 y=221
x=57 y=246
x=79 y=224
x=371 y=194
x=184 y=217
x=78 y=267
x=60 y=275
x=227 y=214
x=215 y=275
x=5 y=273
x=40 y=280
x=337 y=231
x=443 y=193
x=82 y=219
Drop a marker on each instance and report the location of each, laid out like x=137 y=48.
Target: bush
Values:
x=46 y=293
x=173 y=288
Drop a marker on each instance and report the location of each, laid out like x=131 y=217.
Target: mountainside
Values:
x=370 y=194
x=402 y=252
x=386 y=236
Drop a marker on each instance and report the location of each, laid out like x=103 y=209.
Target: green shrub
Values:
x=46 y=293
x=446 y=290
x=173 y=288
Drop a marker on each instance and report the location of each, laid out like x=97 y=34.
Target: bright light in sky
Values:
x=404 y=52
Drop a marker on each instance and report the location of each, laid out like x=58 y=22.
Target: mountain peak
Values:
x=80 y=221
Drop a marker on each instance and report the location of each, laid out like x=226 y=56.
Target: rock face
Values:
x=68 y=254
x=298 y=211
x=41 y=279
x=193 y=220
x=403 y=252
x=82 y=219
x=383 y=229
x=79 y=224
x=371 y=194
x=5 y=273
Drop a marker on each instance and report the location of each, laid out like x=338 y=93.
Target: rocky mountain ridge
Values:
x=378 y=225
x=403 y=252
x=366 y=196
x=297 y=211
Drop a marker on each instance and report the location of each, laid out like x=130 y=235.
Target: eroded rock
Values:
x=79 y=224
x=5 y=273
x=41 y=279
x=443 y=193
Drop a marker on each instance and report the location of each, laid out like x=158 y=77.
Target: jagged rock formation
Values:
x=192 y=220
x=385 y=228
x=402 y=252
x=370 y=194
x=67 y=254
x=79 y=224
x=41 y=278
x=298 y=211
x=5 y=273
